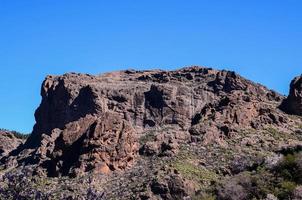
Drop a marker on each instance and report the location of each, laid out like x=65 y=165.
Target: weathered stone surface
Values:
x=8 y=142
x=171 y=187
x=92 y=123
x=193 y=133
x=293 y=103
x=99 y=144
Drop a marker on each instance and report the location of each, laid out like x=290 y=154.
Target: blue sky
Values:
x=260 y=39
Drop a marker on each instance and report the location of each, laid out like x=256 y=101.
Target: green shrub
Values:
x=290 y=168
x=194 y=172
x=207 y=197
x=286 y=189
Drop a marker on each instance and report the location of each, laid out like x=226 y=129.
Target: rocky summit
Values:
x=192 y=133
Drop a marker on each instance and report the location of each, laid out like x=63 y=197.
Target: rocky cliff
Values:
x=166 y=134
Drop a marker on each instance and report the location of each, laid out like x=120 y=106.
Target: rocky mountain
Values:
x=193 y=133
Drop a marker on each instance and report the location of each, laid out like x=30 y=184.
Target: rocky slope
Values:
x=193 y=133
x=9 y=140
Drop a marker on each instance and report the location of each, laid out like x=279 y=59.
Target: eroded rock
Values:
x=8 y=142
x=293 y=103
x=99 y=144
x=91 y=123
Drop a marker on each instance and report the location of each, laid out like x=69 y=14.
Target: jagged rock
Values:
x=293 y=103
x=164 y=143
x=149 y=149
x=90 y=123
x=193 y=133
x=99 y=144
x=160 y=148
x=8 y=142
x=172 y=187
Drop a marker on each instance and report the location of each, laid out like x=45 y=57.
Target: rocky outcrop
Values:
x=8 y=142
x=192 y=133
x=293 y=103
x=172 y=187
x=98 y=144
x=92 y=123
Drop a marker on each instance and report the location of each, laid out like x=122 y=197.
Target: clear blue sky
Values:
x=260 y=39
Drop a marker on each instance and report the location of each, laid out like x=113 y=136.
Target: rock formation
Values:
x=293 y=103
x=89 y=122
x=157 y=134
x=99 y=144
x=8 y=142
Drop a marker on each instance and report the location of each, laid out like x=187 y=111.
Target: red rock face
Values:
x=99 y=144
x=91 y=123
x=293 y=103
